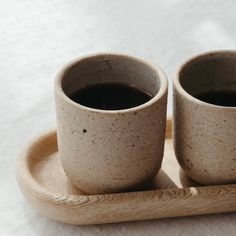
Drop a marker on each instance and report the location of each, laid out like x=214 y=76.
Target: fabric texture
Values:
x=38 y=37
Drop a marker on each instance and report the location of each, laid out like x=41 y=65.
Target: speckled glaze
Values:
x=205 y=134
x=105 y=151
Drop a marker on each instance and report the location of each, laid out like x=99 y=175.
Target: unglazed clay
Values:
x=105 y=151
x=205 y=134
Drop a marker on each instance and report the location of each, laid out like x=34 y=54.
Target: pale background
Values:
x=38 y=37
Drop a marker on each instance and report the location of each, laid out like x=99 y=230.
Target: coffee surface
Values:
x=110 y=96
x=220 y=97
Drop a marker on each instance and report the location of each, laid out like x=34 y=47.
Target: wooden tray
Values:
x=44 y=184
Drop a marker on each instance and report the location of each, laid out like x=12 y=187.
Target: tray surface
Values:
x=45 y=185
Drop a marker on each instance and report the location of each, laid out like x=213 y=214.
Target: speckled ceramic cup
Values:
x=106 y=151
x=204 y=133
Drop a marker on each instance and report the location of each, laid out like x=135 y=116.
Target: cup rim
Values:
x=158 y=70
x=189 y=60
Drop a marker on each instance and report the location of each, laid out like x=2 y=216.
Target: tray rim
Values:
x=28 y=184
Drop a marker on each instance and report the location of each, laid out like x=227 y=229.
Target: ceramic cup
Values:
x=105 y=151
x=205 y=133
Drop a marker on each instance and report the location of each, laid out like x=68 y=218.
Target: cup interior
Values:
x=110 y=68
x=210 y=72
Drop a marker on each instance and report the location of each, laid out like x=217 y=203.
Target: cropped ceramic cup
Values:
x=204 y=133
x=105 y=151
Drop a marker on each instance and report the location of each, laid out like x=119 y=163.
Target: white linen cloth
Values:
x=38 y=37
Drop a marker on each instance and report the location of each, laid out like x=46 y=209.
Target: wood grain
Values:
x=44 y=184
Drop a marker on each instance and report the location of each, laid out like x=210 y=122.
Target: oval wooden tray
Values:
x=44 y=184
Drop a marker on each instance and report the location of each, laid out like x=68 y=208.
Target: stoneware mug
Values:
x=105 y=151
x=205 y=132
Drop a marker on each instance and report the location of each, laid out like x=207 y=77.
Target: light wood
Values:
x=45 y=186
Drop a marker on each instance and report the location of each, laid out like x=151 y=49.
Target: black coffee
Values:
x=221 y=98
x=110 y=96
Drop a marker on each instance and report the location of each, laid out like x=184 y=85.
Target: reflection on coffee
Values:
x=110 y=96
x=219 y=97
